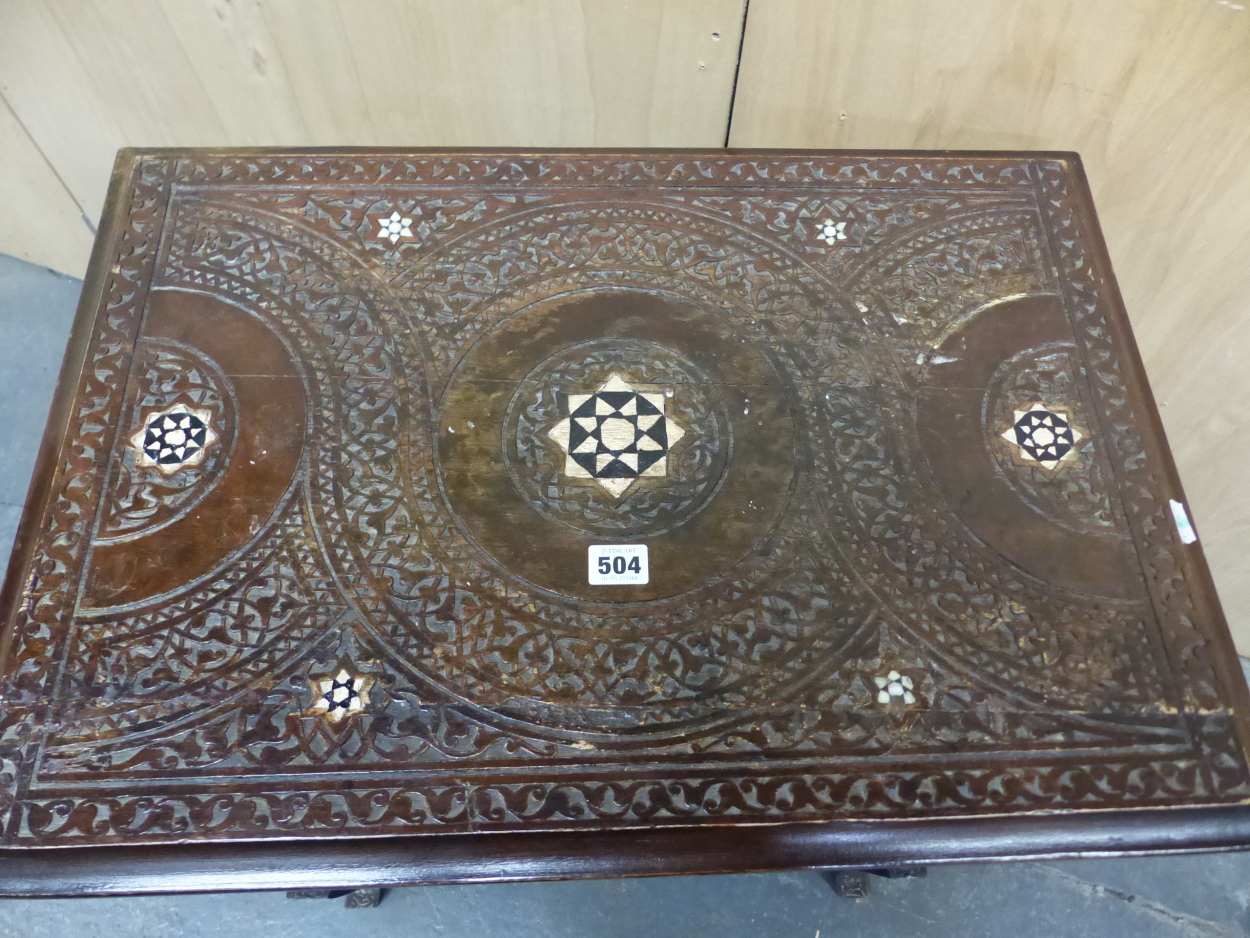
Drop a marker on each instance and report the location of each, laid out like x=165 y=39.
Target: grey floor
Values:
x=1173 y=896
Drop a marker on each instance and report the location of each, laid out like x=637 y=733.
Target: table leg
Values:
x=853 y=884
x=355 y=898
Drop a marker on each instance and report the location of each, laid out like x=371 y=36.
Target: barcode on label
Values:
x=618 y=564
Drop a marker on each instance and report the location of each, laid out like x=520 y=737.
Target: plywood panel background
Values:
x=86 y=77
x=39 y=219
x=1155 y=94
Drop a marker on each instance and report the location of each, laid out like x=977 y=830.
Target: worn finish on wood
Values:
x=307 y=553
x=347 y=863
x=1151 y=93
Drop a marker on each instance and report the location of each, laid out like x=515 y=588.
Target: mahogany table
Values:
x=415 y=516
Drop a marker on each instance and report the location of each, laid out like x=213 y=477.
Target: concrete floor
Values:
x=1175 y=896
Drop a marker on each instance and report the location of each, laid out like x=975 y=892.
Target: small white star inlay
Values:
x=894 y=688
x=341 y=695
x=394 y=227
x=831 y=232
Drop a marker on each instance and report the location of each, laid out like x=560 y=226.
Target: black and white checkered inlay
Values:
x=616 y=435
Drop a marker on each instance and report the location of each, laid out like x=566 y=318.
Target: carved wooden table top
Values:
x=729 y=499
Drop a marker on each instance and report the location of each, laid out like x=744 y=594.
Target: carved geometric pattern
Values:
x=1079 y=496
x=1044 y=434
x=143 y=496
x=756 y=696
x=616 y=435
x=174 y=439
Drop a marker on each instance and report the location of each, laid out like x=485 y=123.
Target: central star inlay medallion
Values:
x=616 y=435
x=1044 y=435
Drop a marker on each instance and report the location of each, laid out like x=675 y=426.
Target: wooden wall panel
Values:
x=1154 y=94
x=89 y=76
x=58 y=236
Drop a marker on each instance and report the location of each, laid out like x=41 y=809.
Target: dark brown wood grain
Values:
x=469 y=858
x=305 y=556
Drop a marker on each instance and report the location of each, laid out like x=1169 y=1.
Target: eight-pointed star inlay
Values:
x=616 y=435
x=174 y=438
x=1044 y=435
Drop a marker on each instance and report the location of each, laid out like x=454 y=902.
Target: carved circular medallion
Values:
x=614 y=415
x=182 y=435
x=618 y=438
x=1041 y=445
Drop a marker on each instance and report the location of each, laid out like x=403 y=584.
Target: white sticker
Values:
x=618 y=564
x=1183 y=525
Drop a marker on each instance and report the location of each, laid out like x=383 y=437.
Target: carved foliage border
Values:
x=1143 y=494
x=179 y=752
x=43 y=623
x=456 y=804
x=42 y=627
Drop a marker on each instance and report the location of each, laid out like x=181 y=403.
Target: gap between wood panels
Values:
x=733 y=93
x=47 y=162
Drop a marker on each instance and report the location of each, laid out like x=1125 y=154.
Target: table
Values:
x=448 y=516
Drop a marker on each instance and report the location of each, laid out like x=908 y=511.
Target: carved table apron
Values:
x=447 y=516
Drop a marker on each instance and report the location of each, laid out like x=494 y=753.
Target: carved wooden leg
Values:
x=849 y=884
x=853 y=884
x=356 y=898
